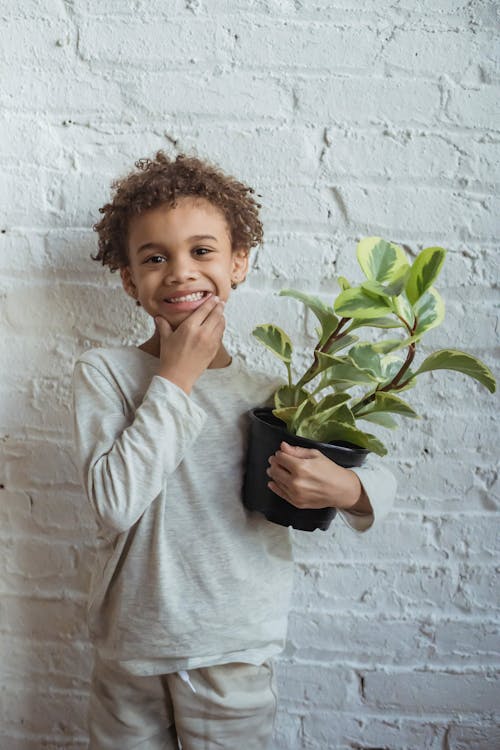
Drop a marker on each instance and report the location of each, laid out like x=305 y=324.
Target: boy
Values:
x=190 y=593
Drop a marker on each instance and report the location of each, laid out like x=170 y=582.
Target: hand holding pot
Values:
x=306 y=478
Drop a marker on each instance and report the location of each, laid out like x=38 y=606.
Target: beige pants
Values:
x=225 y=706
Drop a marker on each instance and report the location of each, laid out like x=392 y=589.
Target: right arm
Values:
x=124 y=462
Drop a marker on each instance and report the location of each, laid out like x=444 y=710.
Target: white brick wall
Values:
x=350 y=118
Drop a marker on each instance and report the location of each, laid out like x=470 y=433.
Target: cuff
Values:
x=380 y=486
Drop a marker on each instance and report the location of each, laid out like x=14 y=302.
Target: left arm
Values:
x=308 y=479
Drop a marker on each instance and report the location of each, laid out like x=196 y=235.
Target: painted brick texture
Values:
x=348 y=118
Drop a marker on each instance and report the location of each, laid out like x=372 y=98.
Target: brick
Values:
x=323 y=636
x=319 y=686
x=378 y=587
x=34 y=41
x=285 y=43
x=432 y=692
x=30 y=464
x=472 y=108
x=66 y=665
x=483 y=735
x=348 y=99
x=367 y=730
x=43 y=618
x=417 y=211
x=77 y=95
x=264 y=96
x=46 y=711
x=430 y=51
x=32 y=566
x=154 y=42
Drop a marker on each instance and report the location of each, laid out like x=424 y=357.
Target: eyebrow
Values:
x=194 y=237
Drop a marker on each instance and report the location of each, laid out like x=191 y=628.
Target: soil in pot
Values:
x=265 y=437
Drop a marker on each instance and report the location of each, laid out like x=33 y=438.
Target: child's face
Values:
x=183 y=249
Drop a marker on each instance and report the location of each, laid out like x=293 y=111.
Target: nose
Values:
x=179 y=269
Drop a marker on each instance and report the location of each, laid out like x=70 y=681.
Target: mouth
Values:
x=193 y=297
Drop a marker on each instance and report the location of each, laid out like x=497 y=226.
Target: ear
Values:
x=127 y=281
x=240 y=257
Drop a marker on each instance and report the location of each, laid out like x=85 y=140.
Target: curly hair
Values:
x=161 y=181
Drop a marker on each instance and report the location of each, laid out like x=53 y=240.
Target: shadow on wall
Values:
x=49 y=534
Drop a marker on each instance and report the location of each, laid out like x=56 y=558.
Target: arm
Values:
x=308 y=479
x=124 y=462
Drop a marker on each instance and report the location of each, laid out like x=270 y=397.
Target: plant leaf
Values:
x=384 y=322
x=325 y=314
x=424 y=271
x=343 y=283
x=289 y=395
x=286 y=414
x=344 y=369
x=276 y=340
x=387 y=402
x=381 y=418
x=382 y=261
x=356 y=303
x=329 y=432
x=454 y=359
x=429 y=311
x=341 y=343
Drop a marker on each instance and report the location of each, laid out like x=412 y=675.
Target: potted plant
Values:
x=352 y=380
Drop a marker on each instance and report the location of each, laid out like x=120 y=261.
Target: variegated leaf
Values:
x=454 y=359
x=289 y=395
x=424 y=271
x=324 y=314
x=276 y=340
x=429 y=311
x=382 y=261
x=355 y=303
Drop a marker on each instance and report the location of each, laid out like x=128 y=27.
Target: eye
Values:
x=204 y=250
x=154 y=258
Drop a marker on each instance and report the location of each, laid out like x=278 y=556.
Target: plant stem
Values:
x=334 y=336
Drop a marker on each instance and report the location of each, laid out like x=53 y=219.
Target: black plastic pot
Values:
x=265 y=437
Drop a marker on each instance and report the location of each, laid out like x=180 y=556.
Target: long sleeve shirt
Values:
x=184 y=575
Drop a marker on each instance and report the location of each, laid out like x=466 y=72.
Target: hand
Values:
x=186 y=352
x=306 y=478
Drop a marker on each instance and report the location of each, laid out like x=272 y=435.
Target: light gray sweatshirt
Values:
x=184 y=576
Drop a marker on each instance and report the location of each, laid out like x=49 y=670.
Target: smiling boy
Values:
x=190 y=593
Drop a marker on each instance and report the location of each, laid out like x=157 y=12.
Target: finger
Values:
x=202 y=312
x=163 y=326
x=279 y=490
x=277 y=474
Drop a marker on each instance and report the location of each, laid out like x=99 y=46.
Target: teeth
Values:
x=188 y=298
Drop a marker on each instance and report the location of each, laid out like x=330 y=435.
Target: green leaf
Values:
x=286 y=414
x=325 y=315
x=289 y=395
x=356 y=303
x=424 y=271
x=384 y=322
x=382 y=261
x=276 y=340
x=454 y=359
x=341 y=343
x=303 y=412
x=429 y=311
x=381 y=418
x=343 y=283
x=329 y=432
x=344 y=368
x=404 y=309
x=387 y=402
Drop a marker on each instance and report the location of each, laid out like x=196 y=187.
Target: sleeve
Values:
x=380 y=485
x=123 y=462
